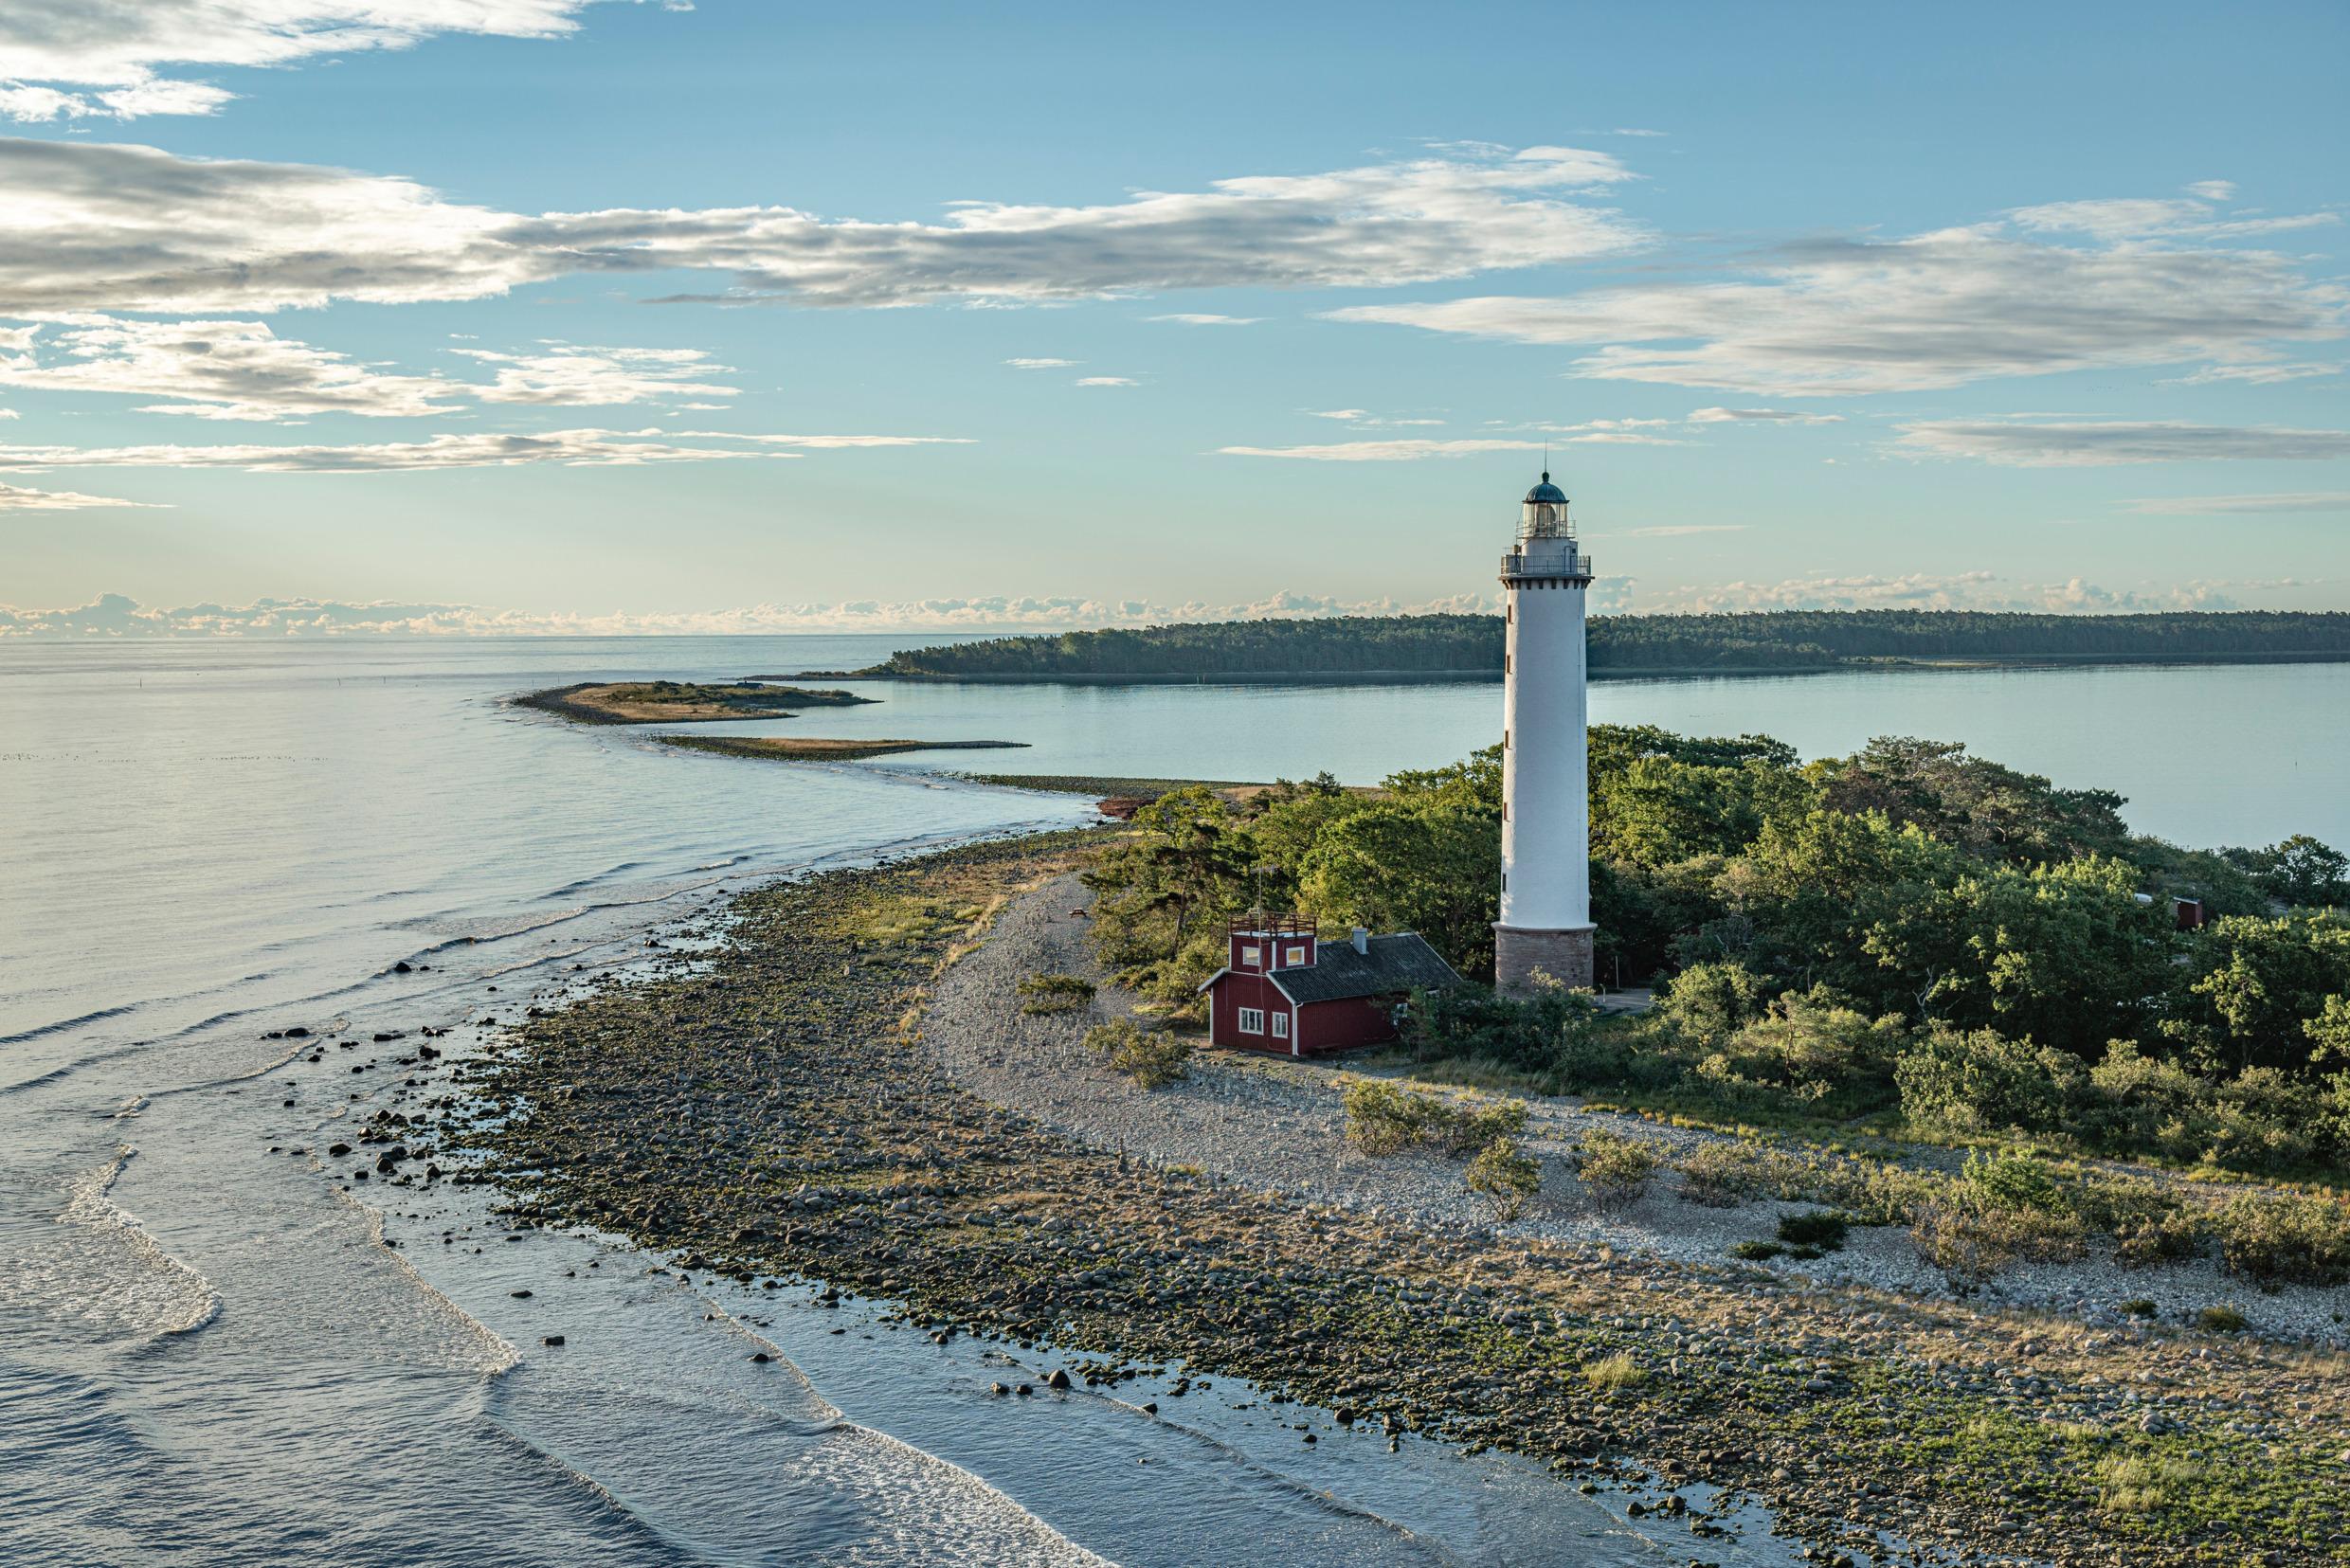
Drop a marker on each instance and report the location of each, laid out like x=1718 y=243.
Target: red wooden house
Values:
x=1283 y=989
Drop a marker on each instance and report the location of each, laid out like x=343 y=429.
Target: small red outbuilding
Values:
x=1283 y=989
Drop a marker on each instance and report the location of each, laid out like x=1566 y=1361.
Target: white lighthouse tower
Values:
x=1545 y=929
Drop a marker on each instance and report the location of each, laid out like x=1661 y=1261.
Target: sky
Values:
x=609 y=316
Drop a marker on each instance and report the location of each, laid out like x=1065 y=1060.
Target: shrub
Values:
x=2162 y=1239
x=1615 y=1167
x=1970 y=1243
x=2014 y=1180
x=1151 y=1058
x=1460 y=1131
x=2138 y=1307
x=1756 y=1251
x=1506 y=1175
x=1984 y=1082
x=1820 y=1228
x=2285 y=1239
x=1382 y=1119
x=1723 y=1175
x=2220 y=1319
x=1049 y=994
x=1709 y=1001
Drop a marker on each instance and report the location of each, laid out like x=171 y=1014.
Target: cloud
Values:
x=1203 y=319
x=2132 y=218
x=18 y=498
x=216 y=369
x=115 y=615
x=569 y=375
x=2259 y=375
x=1760 y=416
x=1040 y=364
x=1934 y=311
x=117 y=44
x=106 y=227
x=576 y=448
x=2049 y=443
x=2212 y=191
x=1338 y=413
x=2217 y=506
x=1108 y=381
x=1974 y=590
x=1634 y=131
x=245 y=371
x=1382 y=451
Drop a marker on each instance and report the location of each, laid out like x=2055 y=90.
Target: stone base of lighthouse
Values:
x=1526 y=960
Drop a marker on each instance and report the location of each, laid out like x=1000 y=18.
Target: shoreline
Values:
x=1888 y=664
x=795 y=1129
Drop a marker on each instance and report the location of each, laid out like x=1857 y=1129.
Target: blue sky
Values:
x=617 y=316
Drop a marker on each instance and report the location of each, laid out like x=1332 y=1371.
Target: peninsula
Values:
x=1374 y=649
x=681 y=702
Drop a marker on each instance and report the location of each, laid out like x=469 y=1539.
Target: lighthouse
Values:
x=1545 y=929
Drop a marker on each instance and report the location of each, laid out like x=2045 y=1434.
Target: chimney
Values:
x=1362 y=940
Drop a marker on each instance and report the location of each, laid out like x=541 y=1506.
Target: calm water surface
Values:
x=211 y=1354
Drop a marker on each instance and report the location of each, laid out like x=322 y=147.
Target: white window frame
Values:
x=1245 y=1026
x=1298 y=954
x=1280 y=1025
x=1247 y=955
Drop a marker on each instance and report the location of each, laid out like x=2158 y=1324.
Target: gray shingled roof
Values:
x=1394 y=964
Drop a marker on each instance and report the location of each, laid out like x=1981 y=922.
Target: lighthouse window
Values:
x=1252 y=1021
x=1248 y=956
x=1296 y=956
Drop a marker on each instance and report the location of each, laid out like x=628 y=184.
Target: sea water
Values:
x=210 y=1353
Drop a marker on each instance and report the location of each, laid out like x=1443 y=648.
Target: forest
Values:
x=1366 y=646
x=1911 y=939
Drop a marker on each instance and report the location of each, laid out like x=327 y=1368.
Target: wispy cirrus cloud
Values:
x=1108 y=381
x=484 y=449
x=129 y=228
x=2066 y=444
x=18 y=498
x=245 y=371
x=1937 y=310
x=2227 y=506
x=1040 y=364
x=1760 y=416
x=118 y=47
x=1202 y=318
x=1405 y=450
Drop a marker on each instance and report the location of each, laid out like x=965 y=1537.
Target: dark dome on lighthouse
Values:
x=1546 y=492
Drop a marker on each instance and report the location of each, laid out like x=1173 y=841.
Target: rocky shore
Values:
x=793 y=1105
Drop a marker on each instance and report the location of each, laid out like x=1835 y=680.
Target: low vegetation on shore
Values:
x=683 y=702
x=766 y=1114
x=1469 y=646
x=1906 y=945
x=807 y=749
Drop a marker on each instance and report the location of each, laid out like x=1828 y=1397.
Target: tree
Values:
x=1430 y=866
x=2255 y=983
x=1990 y=811
x=2063 y=953
x=2300 y=872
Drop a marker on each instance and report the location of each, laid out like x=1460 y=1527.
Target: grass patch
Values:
x=1614 y=1374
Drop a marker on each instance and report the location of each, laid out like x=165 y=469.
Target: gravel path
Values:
x=1267 y=1123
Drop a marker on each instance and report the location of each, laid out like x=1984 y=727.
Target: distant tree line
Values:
x=1757 y=641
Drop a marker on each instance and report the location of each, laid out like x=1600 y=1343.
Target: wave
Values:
x=161 y=1295
x=41 y=1030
